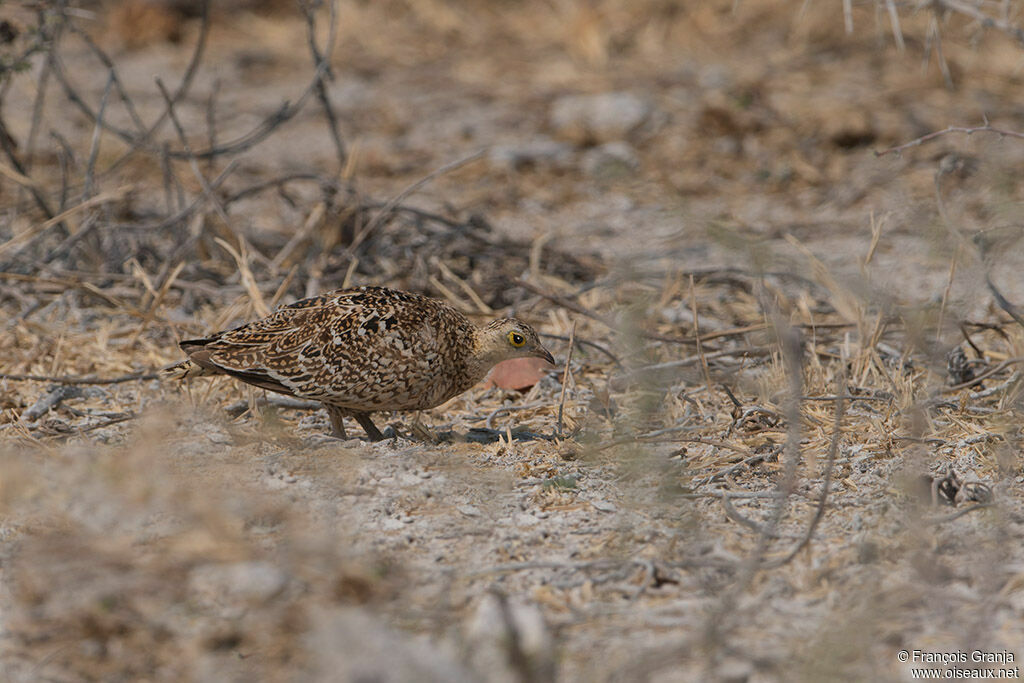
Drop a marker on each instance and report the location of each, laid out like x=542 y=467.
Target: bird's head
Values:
x=508 y=338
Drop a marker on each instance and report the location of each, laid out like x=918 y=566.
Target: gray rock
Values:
x=236 y=584
x=596 y=119
x=610 y=160
x=469 y=510
x=352 y=645
x=538 y=152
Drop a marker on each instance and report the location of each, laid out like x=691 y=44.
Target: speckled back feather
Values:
x=364 y=350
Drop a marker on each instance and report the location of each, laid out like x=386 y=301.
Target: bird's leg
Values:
x=337 y=416
x=367 y=423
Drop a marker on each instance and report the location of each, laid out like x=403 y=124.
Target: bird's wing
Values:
x=339 y=347
x=281 y=352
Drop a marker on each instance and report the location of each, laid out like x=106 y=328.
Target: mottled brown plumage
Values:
x=364 y=350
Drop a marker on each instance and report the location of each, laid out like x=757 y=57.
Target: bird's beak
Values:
x=545 y=354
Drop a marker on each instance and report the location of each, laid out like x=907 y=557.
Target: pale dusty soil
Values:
x=191 y=543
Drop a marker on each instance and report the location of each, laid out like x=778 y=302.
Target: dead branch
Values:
x=389 y=207
x=192 y=161
x=67 y=379
x=565 y=380
x=94 y=145
x=12 y=156
x=833 y=451
x=986 y=128
x=735 y=516
x=985 y=20
x=140 y=141
x=584 y=342
x=959 y=513
x=324 y=58
x=984 y=375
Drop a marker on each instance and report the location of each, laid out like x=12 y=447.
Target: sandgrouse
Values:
x=363 y=350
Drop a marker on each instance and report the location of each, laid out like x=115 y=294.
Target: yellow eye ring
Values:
x=515 y=339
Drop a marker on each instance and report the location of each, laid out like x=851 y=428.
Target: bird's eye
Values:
x=516 y=339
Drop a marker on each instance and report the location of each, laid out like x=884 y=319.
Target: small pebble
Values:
x=468 y=510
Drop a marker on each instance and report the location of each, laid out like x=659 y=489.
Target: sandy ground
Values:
x=635 y=163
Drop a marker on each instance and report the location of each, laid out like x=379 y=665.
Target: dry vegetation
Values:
x=785 y=442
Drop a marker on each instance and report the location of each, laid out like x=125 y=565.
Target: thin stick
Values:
x=192 y=160
x=696 y=336
x=464 y=286
x=959 y=513
x=509 y=409
x=986 y=128
x=389 y=207
x=584 y=342
x=19 y=178
x=37 y=112
x=582 y=310
x=312 y=222
x=248 y=281
x=988 y=373
x=94 y=145
x=894 y=20
x=983 y=19
x=283 y=287
x=65 y=379
x=833 y=450
x=945 y=293
x=59 y=218
x=352 y=265
x=565 y=379
x=140 y=141
x=12 y=156
x=211 y=120
x=325 y=74
x=1003 y=302
x=157 y=300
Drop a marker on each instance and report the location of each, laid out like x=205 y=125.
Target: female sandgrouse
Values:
x=362 y=350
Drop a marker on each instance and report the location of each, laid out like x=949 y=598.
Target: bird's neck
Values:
x=481 y=357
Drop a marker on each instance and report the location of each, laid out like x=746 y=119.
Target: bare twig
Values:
x=142 y=140
x=111 y=421
x=565 y=380
x=894 y=21
x=986 y=128
x=511 y=409
x=959 y=513
x=735 y=516
x=696 y=335
x=833 y=451
x=389 y=207
x=985 y=20
x=583 y=342
x=325 y=74
x=67 y=379
x=193 y=162
x=988 y=373
x=583 y=310
x=37 y=231
x=37 y=111
x=1003 y=302
x=12 y=156
x=716 y=625
x=94 y=145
